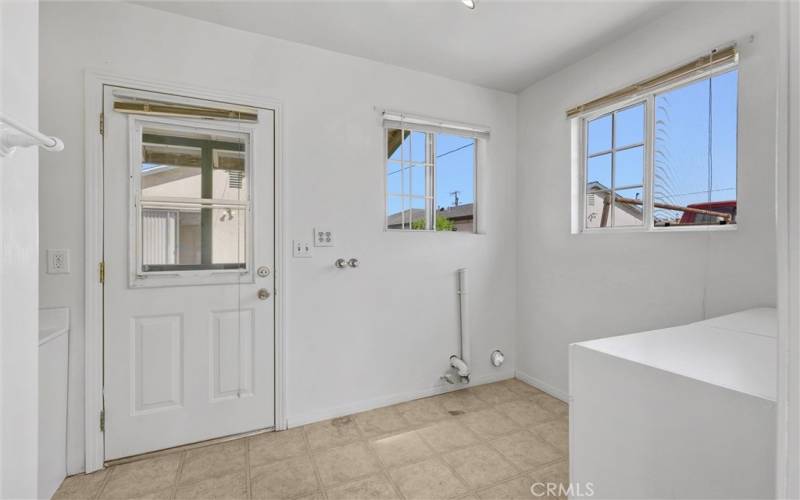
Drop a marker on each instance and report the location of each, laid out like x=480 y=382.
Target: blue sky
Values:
x=695 y=150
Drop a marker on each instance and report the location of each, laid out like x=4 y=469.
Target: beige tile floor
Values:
x=489 y=442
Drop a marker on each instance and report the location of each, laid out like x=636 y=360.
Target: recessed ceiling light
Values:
x=470 y=3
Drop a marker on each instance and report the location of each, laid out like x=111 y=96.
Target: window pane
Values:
x=695 y=153
x=418 y=214
x=629 y=168
x=173 y=239
x=418 y=147
x=179 y=166
x=629 y=126
x=396 y=215
x=597 y=208
x=681 y=176
x=394 y=178
x=170 y=171
x=455 y=183
x=398 y=144
x=598 y=173
x=627 y=212
x=229 y=236
x=230 y=181
x=190 y=164
x=723 y=136
x=417 y=180
x=598 y=134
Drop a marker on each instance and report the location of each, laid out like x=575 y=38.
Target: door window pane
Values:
x=194 y=199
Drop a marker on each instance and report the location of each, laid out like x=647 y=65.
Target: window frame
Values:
x=648 y=225
x=138 y=277
x=431 y=157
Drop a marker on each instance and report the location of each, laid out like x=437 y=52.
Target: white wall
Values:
x=356 y=338
x=575 y=287
x=19 y=211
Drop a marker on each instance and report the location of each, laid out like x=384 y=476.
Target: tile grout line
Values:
x=320 y=486
x=178 y=473
x=103 y=483
x=247 y=475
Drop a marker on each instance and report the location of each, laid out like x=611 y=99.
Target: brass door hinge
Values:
x=102 y=420
x=102 y=123
x=102 y=272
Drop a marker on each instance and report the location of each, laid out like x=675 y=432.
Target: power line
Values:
x=457 y=149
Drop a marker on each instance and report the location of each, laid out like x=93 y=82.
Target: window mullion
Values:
x=649 y=162
x=613 y=204
x=430 y=187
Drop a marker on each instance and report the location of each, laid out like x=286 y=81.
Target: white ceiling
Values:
x=505 y=45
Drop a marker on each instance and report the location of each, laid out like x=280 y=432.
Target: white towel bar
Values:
x=23 y=137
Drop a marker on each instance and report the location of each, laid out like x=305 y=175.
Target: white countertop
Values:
x=737 y=351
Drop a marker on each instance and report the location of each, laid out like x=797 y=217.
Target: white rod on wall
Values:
x=23 y=137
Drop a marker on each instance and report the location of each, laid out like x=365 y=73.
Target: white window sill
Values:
x=670 y=229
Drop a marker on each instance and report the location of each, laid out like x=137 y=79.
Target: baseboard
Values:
x=371 y=404
x=544 y=386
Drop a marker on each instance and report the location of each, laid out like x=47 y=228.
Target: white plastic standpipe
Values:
x=458 y=364
x=463 y=296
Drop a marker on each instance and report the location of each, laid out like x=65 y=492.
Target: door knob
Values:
x=340 y=263
x=263 y=294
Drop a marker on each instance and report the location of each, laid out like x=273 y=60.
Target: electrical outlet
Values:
x=323 y=238
x=301 y=249
x=58 y=261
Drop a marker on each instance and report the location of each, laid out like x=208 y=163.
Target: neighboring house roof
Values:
x=396 y=219
x=459 y=213
x=596 y=188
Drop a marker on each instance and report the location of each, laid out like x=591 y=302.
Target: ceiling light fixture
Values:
x=471 y=4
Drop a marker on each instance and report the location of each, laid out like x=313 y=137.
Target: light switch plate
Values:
x=301 y=249
x=323 y=238
x=57 y=261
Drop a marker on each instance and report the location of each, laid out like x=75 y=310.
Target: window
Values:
x=192 y=199
x=665 y=160
x=430 y=181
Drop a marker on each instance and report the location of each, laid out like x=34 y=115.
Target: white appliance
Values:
x=683 y=412
x=53 y=352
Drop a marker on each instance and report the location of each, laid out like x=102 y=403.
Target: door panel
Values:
x=157 y=362
x=188 y=344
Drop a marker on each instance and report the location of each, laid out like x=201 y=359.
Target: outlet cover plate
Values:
x=57 y=261
x=301 y=249
x=323 y=238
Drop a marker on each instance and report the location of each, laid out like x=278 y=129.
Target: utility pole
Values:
x=455 y=194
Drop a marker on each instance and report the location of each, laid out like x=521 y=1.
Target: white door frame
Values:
x=93 y=290
x=788 y=238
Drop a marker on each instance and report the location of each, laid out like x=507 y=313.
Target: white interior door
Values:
x=188 y=294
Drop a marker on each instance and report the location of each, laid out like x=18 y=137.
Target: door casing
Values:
x=93 y=212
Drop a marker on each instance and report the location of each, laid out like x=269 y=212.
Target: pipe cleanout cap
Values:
x=497 y=357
